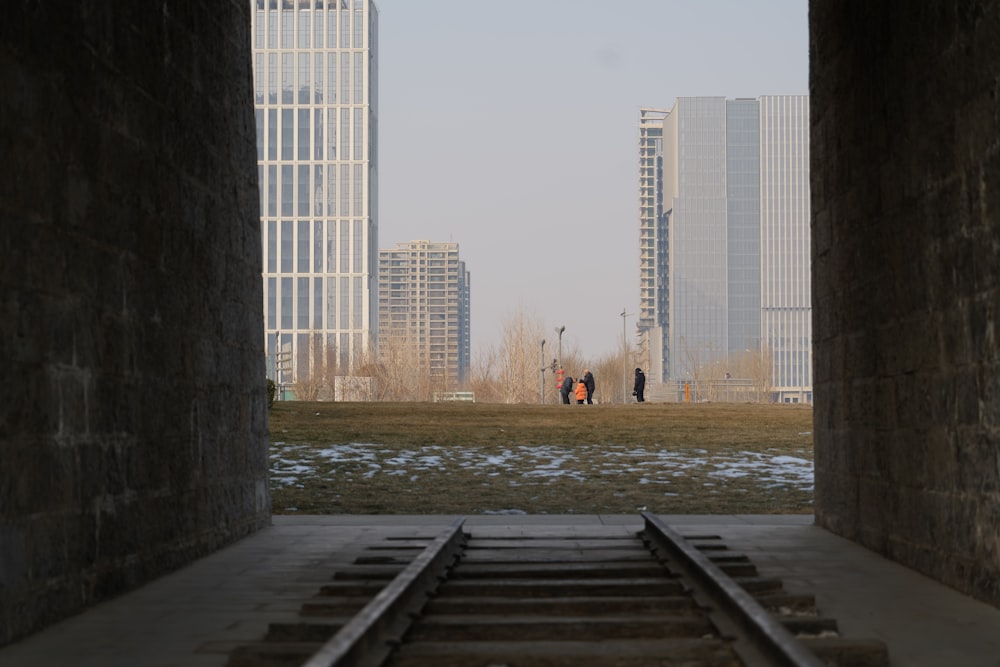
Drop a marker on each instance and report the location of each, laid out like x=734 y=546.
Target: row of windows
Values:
x=310 y=134
x=312 y=190
x=405 y=260
x=319 y=246
x=791 y=362
x=430 y=300
x=412 y=253
x=791 y=369
x=402 y=266
x=310 y=78
x=402 y=306
x=314 y=303
x=423 y=272
x=438 y=328
x=307 y=25
x=331 y=348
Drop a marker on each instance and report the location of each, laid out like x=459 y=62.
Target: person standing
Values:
x=640 y=385
x=588 y=379
x=565 y=388
x=581 y=392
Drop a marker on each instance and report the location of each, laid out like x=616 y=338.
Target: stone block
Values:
x=906 y=176
x=122 y=310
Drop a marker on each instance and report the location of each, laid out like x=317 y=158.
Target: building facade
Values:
x=724 y=244
x=315 y=84
x=424 y=304
x=785 y=244
x=653 y=242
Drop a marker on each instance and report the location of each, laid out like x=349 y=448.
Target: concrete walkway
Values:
x=196 y=616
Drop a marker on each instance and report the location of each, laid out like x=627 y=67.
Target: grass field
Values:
x=476 y=458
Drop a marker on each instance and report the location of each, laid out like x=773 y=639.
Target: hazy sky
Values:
x=512 y=129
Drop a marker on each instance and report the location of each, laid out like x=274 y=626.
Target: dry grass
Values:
x=464 y=458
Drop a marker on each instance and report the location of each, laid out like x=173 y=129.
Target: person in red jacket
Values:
x=581 y=392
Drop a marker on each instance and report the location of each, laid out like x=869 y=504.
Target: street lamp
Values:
x=282 y=362
x=624 y=315
x=541 y=387
x=559 y=330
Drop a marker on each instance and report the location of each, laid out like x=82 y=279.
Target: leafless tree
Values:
x=760 y=369
x=398 y=371
x=610 y=378
x=482 y=380
x=316 y=382
x=510 y=372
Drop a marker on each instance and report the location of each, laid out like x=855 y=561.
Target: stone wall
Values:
x=133 y=414
x=905 y=145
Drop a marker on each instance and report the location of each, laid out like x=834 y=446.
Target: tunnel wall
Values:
x=905 y=180
x=133 y=411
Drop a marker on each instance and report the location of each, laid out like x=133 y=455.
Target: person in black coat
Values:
x=565 y=388
x=640 y=385
x=588 y=379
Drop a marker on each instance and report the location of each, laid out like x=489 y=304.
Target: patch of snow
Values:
x=546 y=463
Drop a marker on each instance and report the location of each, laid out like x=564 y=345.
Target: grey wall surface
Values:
x=905 y=184
x=133 y=410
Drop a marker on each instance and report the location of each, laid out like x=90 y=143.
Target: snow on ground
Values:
x=532 y=464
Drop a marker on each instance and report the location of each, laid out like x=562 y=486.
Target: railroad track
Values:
x=653 y=598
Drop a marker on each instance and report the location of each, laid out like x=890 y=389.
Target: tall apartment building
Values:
x=653 y=242
x=315 y=83
x=725 y=269
x=424 y=309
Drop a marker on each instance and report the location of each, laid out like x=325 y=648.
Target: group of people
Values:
x=584 y=391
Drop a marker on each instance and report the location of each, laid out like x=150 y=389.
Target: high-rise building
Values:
x=785 y=244
x=724 y=241
x=653 y=311
x=315 y=83
x=424 y=310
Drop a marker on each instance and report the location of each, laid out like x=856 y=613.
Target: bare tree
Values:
x=610 y=379
x=316 y=382
x=399 y=372
x=761 y=371
x=516 y=368
x=482 y=379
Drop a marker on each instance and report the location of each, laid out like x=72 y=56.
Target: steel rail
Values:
x=770 y=643
x=366 y=640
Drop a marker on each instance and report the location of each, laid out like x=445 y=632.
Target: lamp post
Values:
x=541 y=387
x=559 y=330
x=279 y=366
x=624 y=315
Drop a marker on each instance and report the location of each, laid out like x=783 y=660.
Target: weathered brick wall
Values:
x=133 y=405
x=906 y=273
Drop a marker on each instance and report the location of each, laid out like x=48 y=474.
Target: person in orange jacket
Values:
x=581 y=392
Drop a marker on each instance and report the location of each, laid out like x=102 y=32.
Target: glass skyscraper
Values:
x=315 y=84
x=785 y=260
x=725 y=214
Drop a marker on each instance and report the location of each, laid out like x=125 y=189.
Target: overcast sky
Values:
x=511 y=128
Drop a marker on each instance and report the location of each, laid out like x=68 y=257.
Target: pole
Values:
x=278 y=364
x=541 y=387
x=560 y=332
x=624 y=361
x=624 y=358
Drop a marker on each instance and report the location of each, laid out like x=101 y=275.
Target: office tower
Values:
x=424 y=313
x=315 y=84
x=785 y=244
x=729 y=218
